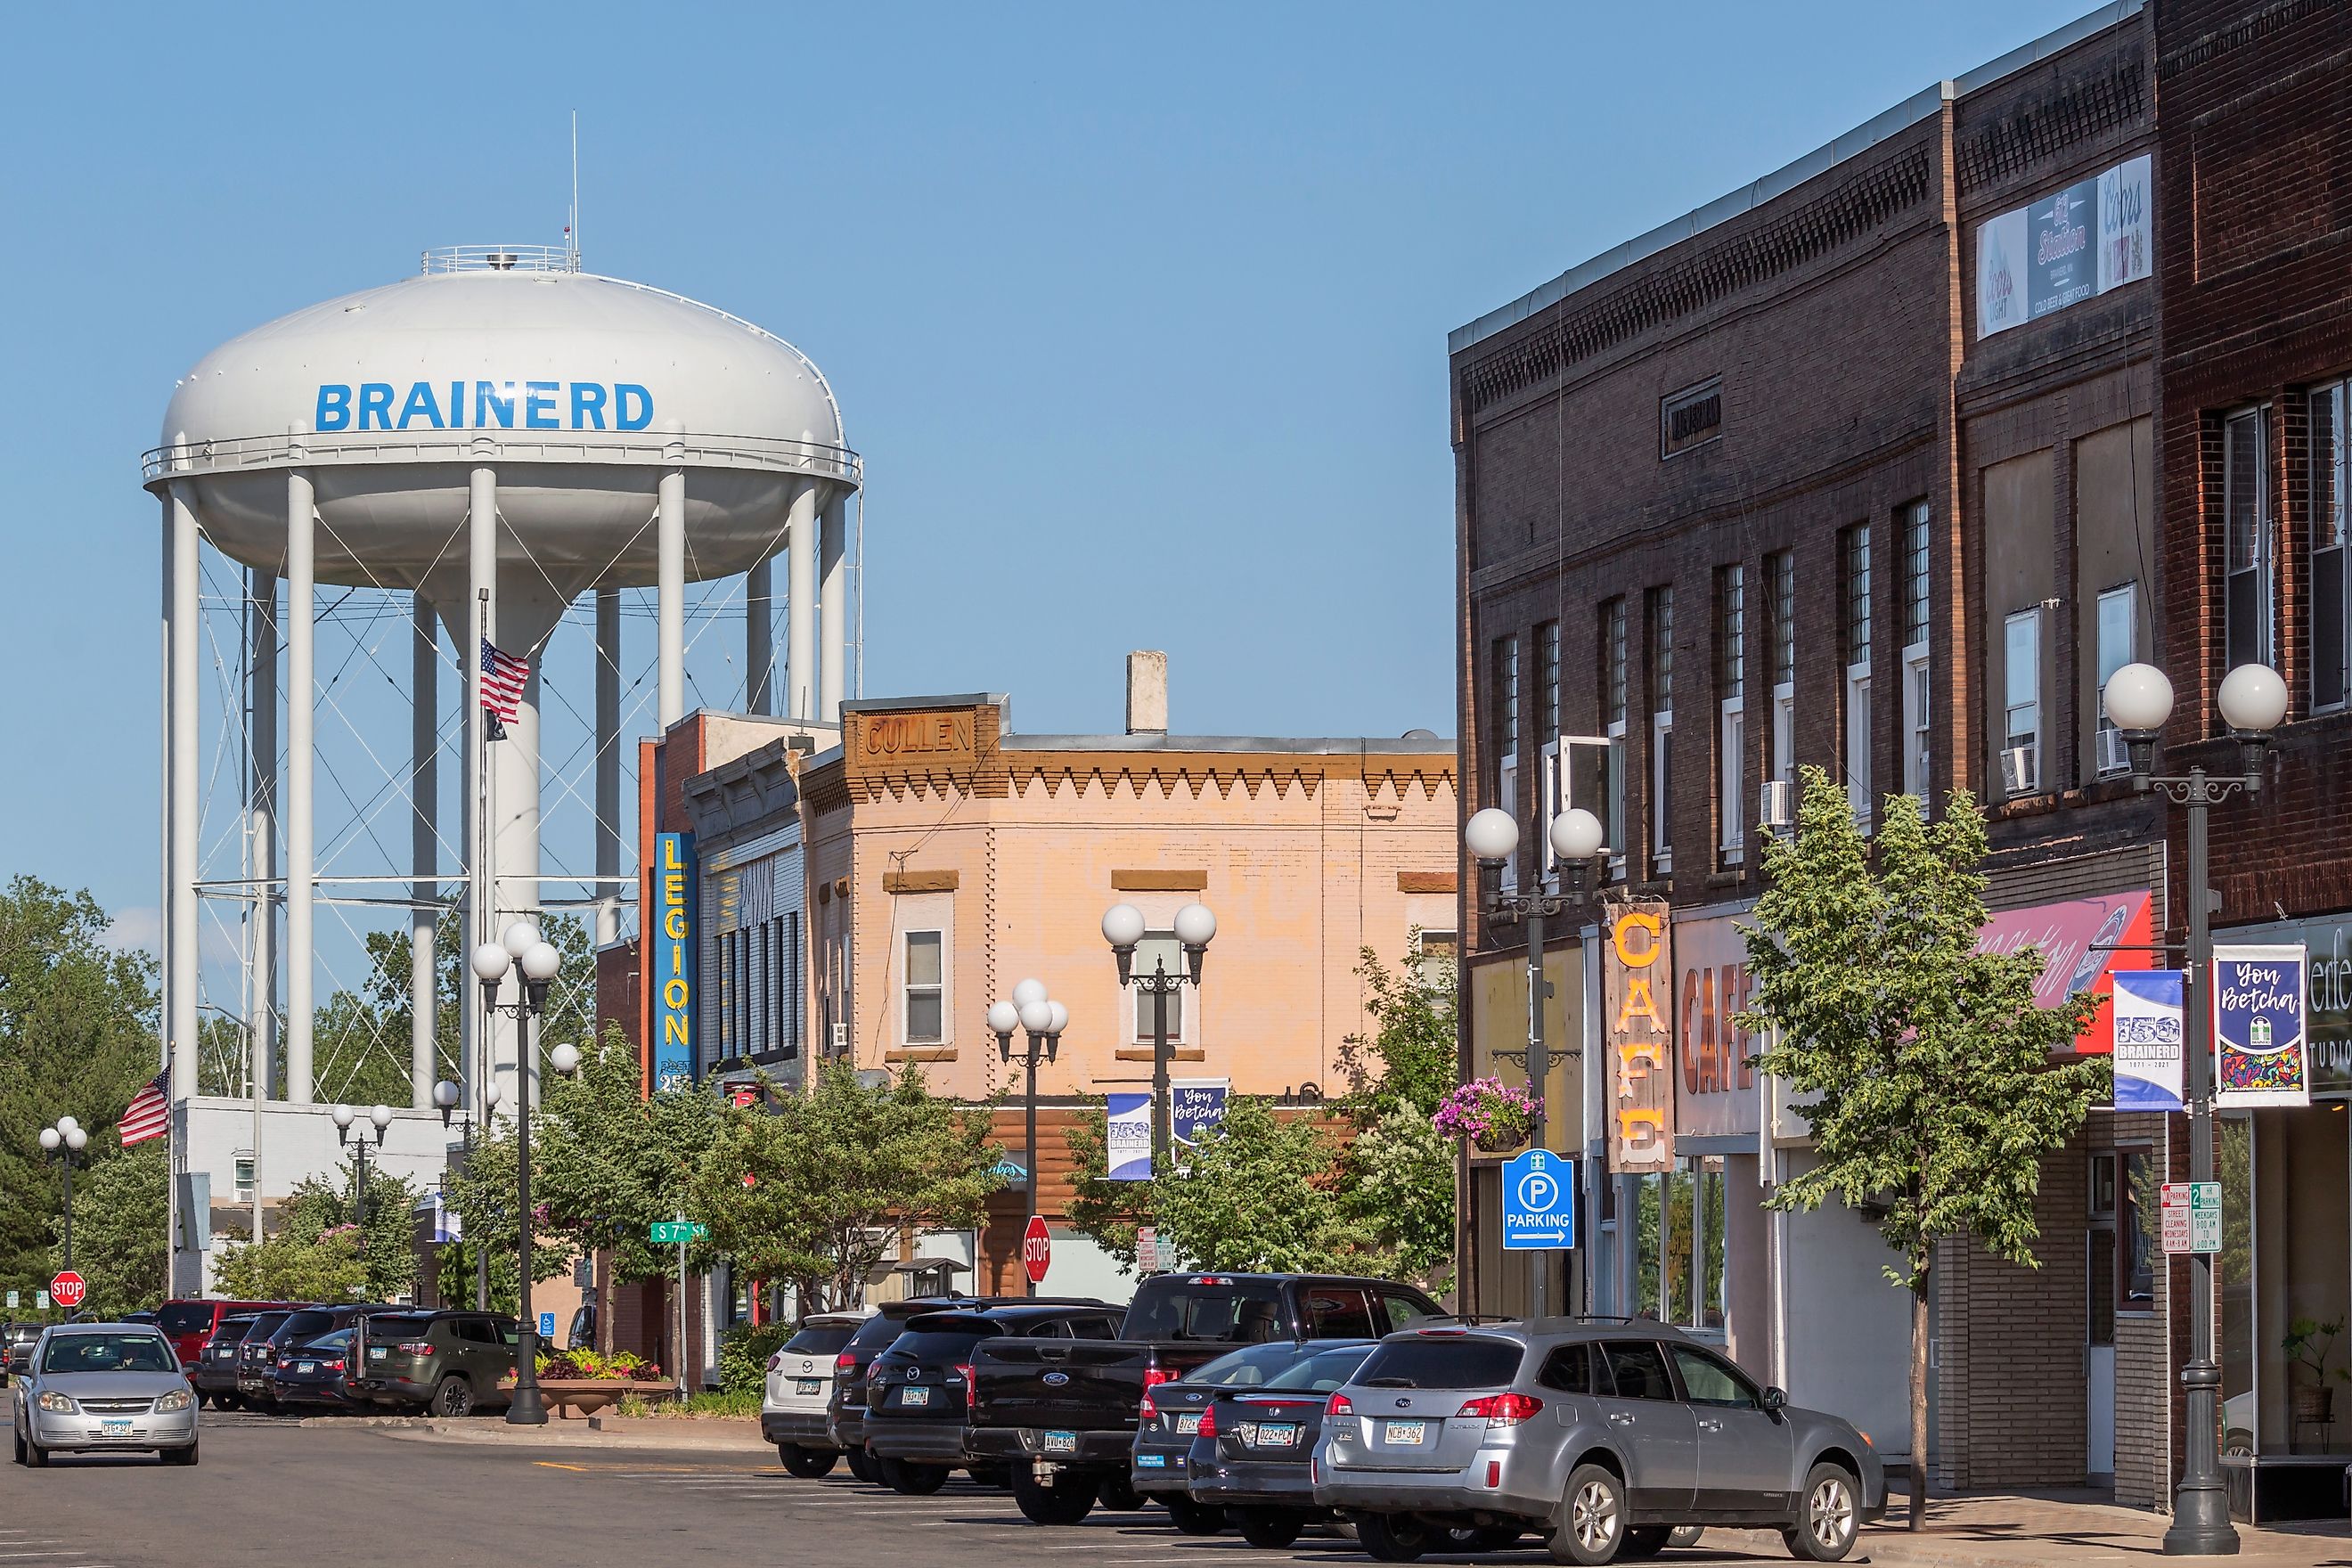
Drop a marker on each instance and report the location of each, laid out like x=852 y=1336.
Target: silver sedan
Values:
x=99 y=1387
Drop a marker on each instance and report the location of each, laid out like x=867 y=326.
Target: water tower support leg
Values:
x=669 y=589
x=261 y=800
x=832 y=607
x=608 y=765
x=760 y=639
x=180 y=943
x=800 y=672
x=481 y=616
x=423 y=785
x=301 y=699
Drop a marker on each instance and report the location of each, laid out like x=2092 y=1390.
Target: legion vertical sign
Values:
x=671 y=1058
x=1637 y=1004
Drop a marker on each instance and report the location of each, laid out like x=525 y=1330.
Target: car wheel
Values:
x=1272 y=1529
x=19 y=1438
x=1195 y=1518
x=861 y=1464
x=911 y=1480
x=453 y=1398
x=1686 y=1535
x=227 y=1402
x=1645 y=1541
x=1065 y=1499
x=35 y=1456
x=1832 y=1515
x=186 y=1455
x=1118 y=1494
x=1392 y=1538
x=1592 y=1525
x=808 y=1463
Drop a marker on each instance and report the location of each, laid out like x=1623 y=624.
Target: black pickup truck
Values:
x=1061 y=1414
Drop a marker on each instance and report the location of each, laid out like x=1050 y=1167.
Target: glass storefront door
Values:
x=2285 y=1280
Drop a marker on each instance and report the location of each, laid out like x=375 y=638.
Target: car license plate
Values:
x=914 y=1396
x=807 y=1385
x=1278 y=1433
x=114 y=1428
x=306 y=1366
x=1409 y=1432
x=1061 y=1442
x=1188 y=1424
x=1152 y=1461
x=377 y=1353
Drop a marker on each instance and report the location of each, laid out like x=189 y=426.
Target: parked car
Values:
x=189 y=1323
x=313 y=1374
x=213 y=1373
x=1064 y=1417
x=846 y=1412
x=800 y=1385
x=103 y=1387
x=258 y=1361
x=12 y=1335
x=1169 y=1418
x=915 y=1391
x=448 y=1364
x=1604 y=1435
x=252 y=1359
x=1250 y=1452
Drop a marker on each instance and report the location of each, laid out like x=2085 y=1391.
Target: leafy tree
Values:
x=77 y=1037
x=1927 y=1064
x=121 y=1223
x=835 y=1172
x=1409 y=1059
x=1400 y=1189
x=482 y=1191
x=387 y=1246
x=289 y=1267
x=1259 y=1191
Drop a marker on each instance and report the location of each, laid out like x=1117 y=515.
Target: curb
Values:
x=588 y=1433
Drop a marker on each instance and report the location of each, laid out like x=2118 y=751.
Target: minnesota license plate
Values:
x=1152 y=1461
x=914 y=1396
x=807 y=1385
x=1188 y=1424
x=114 y=1428
x=1061 y=1442
x=1410 y=1432
x=312 y=1365
x=1279 y=1433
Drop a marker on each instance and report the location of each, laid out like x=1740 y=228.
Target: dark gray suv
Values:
x=1602 y=1434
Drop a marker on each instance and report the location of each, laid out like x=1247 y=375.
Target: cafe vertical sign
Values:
x=1637 y=1001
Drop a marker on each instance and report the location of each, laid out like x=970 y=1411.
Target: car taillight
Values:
x=775 y=1362
x=1148 y=1410
x=330 y=1366
x=843 y=1362
x=963 y=1371
x=1339 y=1406
x=414 y=1347
x=1502 y=1409
x=1153 y=1376
x=1209 y=1422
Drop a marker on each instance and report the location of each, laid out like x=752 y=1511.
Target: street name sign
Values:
x=671 y=1232
x=1538 y=1202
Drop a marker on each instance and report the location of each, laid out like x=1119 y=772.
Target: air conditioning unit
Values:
x=2020 y=770
x=2115 y=751
x=1774 y=808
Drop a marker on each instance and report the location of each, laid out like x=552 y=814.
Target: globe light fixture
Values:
x=2252 y=699
x=520 y=937
x=1061 y=1018
x=1037 y=1016
x=2139 y=697
x=381 y=1115
x=50 y=1139
x=1195 y=926
x=1004 y=1017
x=1575 y=835
x=1028 y=991
x=342 y=1115
x=564 y=1058
x=491 y=960
x=1492 y=835
x=1122 y=925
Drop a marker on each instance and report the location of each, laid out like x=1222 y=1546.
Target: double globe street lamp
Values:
x=539 y=961
x=1043 y=1019
x=1123 y=928
x=2253 y=699
x=1576 y=837
x=65 y=1137
x=380 y=1118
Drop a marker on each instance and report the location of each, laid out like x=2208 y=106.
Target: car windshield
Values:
x=820 y=1339
x=179 y=1318
x=1454 y=1362
x=1323 y=1371
x=107 y=1352
x=1235 y=1312
x=1247 y=1369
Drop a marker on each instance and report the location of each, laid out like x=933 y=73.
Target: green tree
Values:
x=77 y=1037
x=289 y=1267
x=813 y=1188
x=482 y=1191
x=387 y=1249
x=1409 y=1057
x=1401 y=1190
x=121 y=1224
x=1927 y=1067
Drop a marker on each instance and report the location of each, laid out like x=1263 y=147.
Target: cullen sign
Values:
x=672 y=1057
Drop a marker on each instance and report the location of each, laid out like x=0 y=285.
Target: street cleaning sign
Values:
x=1538 y=1202
x=2191 y=1216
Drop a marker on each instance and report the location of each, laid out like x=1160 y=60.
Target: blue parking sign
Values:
x=547 y=1325
x=1538 y=1202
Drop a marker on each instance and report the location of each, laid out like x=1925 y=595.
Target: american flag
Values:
x=503 y=677
x=148 y=1114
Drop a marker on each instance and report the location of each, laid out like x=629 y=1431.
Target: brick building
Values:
x=1711 y=529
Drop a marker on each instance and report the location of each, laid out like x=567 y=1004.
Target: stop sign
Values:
x=68 y=1289
x=1037 y=1249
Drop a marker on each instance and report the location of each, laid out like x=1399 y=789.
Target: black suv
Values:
x=253 y=1359
x=213 y=1372
x=449 y=1363
x=915 y=1391
x=259 y=1354
x=846 y=1416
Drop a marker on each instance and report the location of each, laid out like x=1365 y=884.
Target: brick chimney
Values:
x=1147 y=694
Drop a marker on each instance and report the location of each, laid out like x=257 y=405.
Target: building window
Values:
x=1157 y=949
x=1917 y=759
x=1662 y=726
x=1612 y=714
x=1691 y=418
x=926 y=988
x=1679 y=1258
x=1731 y=686
x=2140 y=1224
x=2117 y=635
x=1854 y=639
x=2331 y=625
x=2020 y=761
x=2246 y=526
x=1780 y=607
x=241 y=1175
x=1547 y=801
x=1435 y=958
x=1504 y=695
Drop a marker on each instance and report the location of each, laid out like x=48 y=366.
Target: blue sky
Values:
x=1138 y=315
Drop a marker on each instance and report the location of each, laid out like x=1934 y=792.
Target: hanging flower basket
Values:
x=1495 y=1117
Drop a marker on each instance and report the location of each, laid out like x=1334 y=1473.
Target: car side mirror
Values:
x=1775 y=1401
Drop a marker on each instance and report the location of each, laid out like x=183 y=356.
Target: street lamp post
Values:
x=2253 y=699
x=1493 y=836
x=1122 y=927
x=66 y=1138
x=380 y=1117
x=539 y=962
x=1043 y=1019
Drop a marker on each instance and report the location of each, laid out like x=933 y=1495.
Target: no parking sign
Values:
x=1538 y=1202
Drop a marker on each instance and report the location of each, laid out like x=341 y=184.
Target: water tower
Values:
x=489 y=440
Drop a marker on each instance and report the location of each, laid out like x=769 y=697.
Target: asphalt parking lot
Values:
x=269 y=1491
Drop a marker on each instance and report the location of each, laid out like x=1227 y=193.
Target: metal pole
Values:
x=669 y=589
x=2201 y=1509
x=832 y=607
x=681 y=1305
x=68 y=1157
x=800 y=604
x=1031 y=1157
x=526 y=1410
x=302 y=752
x=1538 y=1074
x=184 y=796
x=608 y=767
x=424 y=800
x=1161 y=1131
x=359 y=1196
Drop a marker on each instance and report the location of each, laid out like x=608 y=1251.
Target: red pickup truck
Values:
x=190 y=1321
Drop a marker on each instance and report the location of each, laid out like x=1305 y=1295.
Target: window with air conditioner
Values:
x=2331 y=562
x=1504 y=701
x=2118 y=621
x=1918 y=758
x=1662 y=728
x=2020 y=756
x=1731 y=711
x=1613 y=677
x=2247 y=543
x=1855 y=639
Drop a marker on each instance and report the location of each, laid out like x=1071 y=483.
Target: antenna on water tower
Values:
x=572 y=225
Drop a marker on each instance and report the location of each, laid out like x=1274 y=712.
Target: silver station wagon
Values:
x=1603 y=1435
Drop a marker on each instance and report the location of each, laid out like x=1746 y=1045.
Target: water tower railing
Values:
x=502 y=259
x=646 y=449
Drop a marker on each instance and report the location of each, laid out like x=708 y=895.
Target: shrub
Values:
x=743 y=1354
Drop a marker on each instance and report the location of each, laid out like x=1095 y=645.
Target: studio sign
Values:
x=483 y=405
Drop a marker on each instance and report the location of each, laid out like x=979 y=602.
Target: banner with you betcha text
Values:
x=2261 y=1039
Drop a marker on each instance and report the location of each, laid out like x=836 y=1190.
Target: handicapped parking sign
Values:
x=1538 y=1202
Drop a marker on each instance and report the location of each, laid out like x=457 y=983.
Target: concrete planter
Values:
x=570 y=1396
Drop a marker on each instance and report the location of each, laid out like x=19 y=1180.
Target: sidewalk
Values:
x=2023 y=1530
x=704 y=1434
